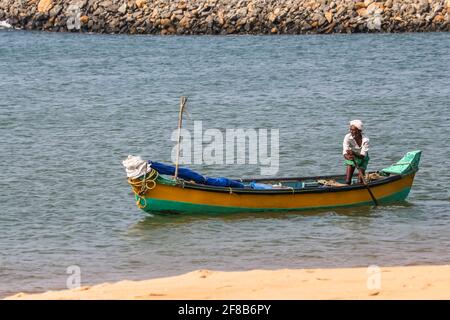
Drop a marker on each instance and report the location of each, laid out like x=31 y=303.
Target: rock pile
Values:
x=227 y=16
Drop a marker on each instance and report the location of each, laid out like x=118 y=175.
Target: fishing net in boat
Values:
x=331 y=183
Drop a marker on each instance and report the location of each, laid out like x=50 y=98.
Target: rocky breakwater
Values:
x=227 y=16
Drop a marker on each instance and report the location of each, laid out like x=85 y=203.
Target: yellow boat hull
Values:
x=177 y=198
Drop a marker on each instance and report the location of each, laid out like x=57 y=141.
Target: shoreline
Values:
x=410 y=282
x=224 y=17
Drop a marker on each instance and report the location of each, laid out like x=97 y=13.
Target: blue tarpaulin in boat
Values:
x=260 y=186
x=183 y=173
x=223 y=182
x=188 y=175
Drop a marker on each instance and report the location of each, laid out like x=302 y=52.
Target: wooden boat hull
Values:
x=169 y=196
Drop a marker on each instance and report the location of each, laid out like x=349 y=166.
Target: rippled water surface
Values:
x=72 y=107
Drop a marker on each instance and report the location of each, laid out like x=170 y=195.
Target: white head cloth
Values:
x=357 y=123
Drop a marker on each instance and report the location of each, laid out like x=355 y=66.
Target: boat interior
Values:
x=311 y=182
x=299 y=183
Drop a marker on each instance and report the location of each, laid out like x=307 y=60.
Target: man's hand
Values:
x=349 y=155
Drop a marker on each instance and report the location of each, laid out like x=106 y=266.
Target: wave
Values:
x=5 y=25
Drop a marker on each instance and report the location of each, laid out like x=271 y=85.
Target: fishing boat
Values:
x=158 y=193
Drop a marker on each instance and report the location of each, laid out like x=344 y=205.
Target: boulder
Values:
x=123 y=8
x=182 y=5
x=272 y=17
x=388 y=4
x=44 y=6
x=359 y=5
x=375 y=6
x=105 y=4
x=141 y=3
x=84 y=19
x=439 y=18
x=79 y=3
x=165 y=22
x=55 y=10
x=362 y=12
x=374 y=23
x=184 y=22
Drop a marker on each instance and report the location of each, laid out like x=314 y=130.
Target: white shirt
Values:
x=350 y=144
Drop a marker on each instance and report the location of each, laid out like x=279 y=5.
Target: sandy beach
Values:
x=412 y=282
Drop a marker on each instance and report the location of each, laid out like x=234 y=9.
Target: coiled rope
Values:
x=141 y=186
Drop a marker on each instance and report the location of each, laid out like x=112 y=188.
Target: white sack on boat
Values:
x=135 y=166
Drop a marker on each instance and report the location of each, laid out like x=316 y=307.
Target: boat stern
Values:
x=407 y=165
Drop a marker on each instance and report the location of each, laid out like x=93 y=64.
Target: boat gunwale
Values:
x=299 y=178
x=387 y=180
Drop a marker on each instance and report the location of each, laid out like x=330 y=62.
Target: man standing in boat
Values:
x=356 y=149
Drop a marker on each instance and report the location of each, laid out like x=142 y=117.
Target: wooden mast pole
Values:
x=180 y=122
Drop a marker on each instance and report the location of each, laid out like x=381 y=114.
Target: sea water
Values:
x=73 y=106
